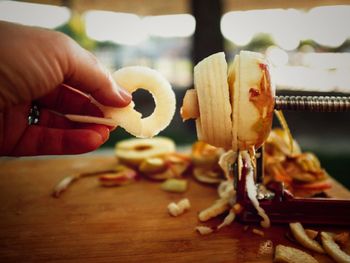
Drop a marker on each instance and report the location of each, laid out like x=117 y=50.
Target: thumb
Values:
x=87 y=74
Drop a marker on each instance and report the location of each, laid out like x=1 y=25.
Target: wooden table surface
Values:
x=89 y=223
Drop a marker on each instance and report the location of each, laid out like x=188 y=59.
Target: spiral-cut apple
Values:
x=233 y=109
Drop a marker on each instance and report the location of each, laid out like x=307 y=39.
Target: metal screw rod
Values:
x=313 y=103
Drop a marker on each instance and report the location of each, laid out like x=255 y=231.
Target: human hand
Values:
x=41 y=65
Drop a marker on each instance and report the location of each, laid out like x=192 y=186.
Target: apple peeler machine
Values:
x=279 y=204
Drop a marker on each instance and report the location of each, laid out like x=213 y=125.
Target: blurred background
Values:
x=308 y=43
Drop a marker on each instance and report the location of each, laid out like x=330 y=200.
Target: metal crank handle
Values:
x=313 y=103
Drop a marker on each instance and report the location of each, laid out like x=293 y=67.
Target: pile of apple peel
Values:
x=155 y=158
x=301 y=172
x=277 y=150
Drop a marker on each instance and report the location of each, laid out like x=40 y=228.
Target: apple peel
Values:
x=333 y=249
x=300 y=235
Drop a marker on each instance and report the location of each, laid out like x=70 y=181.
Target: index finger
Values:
x=67 y=100
x=86 y=73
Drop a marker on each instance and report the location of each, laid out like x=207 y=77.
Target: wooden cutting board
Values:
x=90 y=223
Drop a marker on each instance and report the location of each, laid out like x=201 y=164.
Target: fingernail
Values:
x=126 y=96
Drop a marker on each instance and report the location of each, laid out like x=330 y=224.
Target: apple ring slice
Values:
x=131 y=79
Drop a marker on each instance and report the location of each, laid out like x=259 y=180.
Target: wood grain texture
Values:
x=89 y=223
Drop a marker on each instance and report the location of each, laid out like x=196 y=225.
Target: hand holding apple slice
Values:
x=133 y=78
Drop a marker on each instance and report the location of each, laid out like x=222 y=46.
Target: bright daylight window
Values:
x=161 y=42
x=308 y=49
x=32 y=14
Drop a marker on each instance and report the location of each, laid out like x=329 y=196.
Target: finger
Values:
x=39 y=140
x=13 y=122
x=66 y=100
x=88 y=75
x=54 y=120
